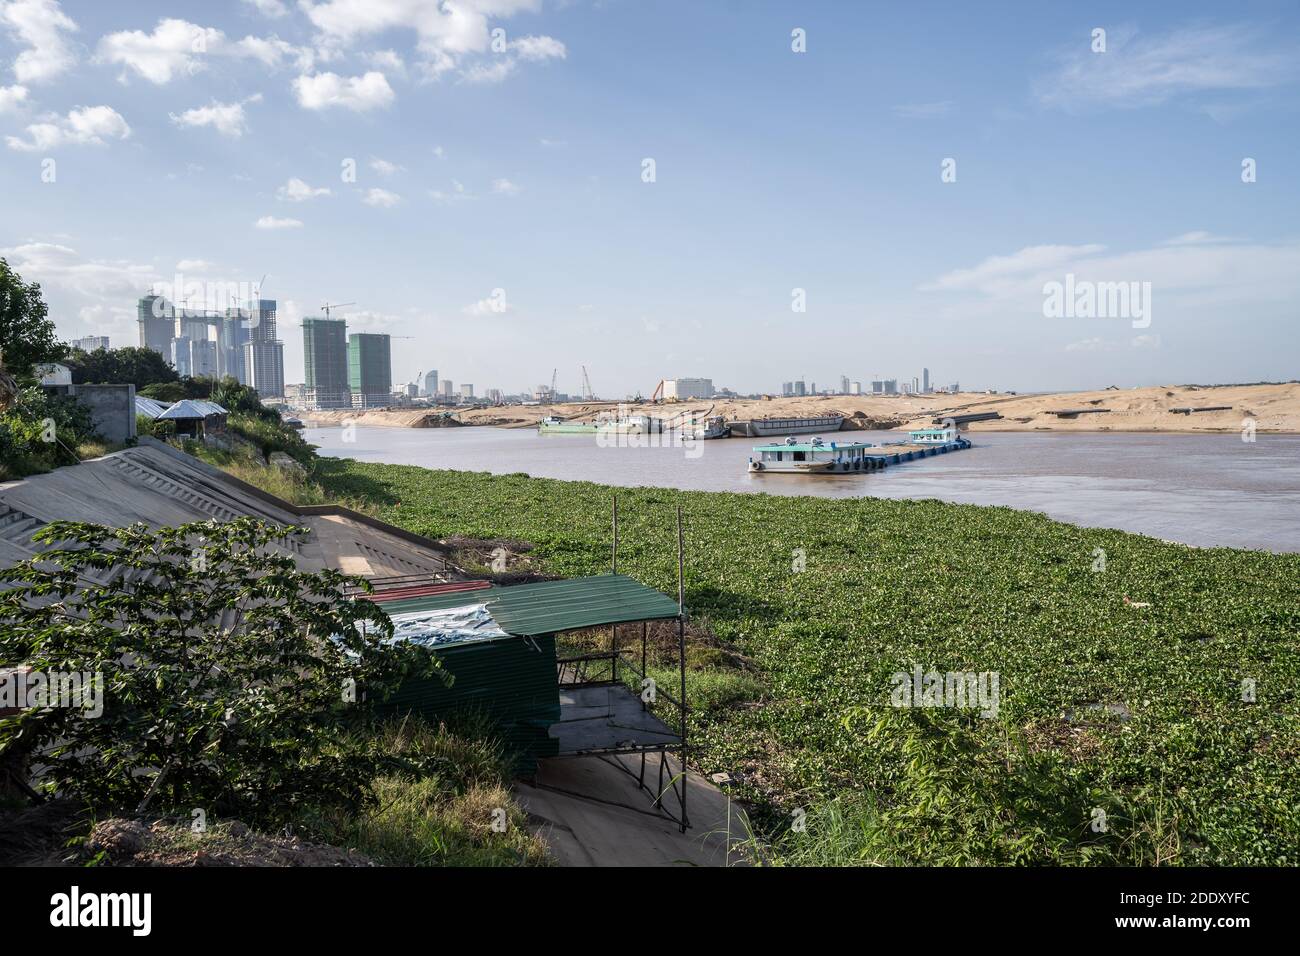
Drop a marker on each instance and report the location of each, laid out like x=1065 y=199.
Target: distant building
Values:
x=370 y=369
x=925 y=380
x=684 y=389
x=800 y=388
x=325 y=361
x=891 y=386
x=844 y=385
x=466 y=390
x=448 y=388
x=431 y=383
x=787 y=389
x=157 y=324
x=855 y=388
x=263 y=353
x=91 y=343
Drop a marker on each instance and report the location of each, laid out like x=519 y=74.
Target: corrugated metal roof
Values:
x=149 y=407
x=193 y=408
x=550 y=607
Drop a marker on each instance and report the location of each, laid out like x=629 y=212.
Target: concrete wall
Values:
x=112 y=409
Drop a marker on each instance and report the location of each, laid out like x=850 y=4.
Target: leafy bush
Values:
x=270 y=436
x=41 y=432
x=232 y=680
x=160 y=428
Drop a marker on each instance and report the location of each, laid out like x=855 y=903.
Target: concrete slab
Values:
x=583 y=831
x=606 y=717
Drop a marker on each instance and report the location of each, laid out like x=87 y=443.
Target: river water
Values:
x=1205 y=490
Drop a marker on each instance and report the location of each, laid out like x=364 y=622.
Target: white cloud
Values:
x=997 y=272
x=62 y=266
x=83 y=126
x=488 y=72
x=439 y=152
x=295 y=190
x=1145 y=342
x=449 y=36
x=489 y=306
x=384 y=168
x=387 y=60
x=272 y=222
x=381 y=198
x=1138 y=70
x=537 y=49
x=172 y=49
x=360 y=93
x=269 y=8
x=1186 y=277
x=178 y=48
x=11 y=96
x=227 y=118
x=458 y=192
x=39 y=25
x=504 y=187
x=195 y=265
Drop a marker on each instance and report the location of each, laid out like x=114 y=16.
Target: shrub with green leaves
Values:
x=41 y=432
x=232 y=680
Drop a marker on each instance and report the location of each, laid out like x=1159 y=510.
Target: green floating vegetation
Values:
x=1147 y=711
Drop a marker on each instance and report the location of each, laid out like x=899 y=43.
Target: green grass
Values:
x=1193 y=774
x=453 y=809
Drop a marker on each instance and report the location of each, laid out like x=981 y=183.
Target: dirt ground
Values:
x=1272 y=408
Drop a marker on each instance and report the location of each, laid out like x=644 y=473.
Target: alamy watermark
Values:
x=25 y=689
x=960 y=690
x=1085 y=299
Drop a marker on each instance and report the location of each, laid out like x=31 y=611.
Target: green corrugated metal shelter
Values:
x=513 y=680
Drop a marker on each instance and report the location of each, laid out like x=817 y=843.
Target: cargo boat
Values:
x=817 y=457
x=814 y=457
x=630 y=425
x=772 y=427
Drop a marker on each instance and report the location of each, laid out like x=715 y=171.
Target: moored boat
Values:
x=814 y=457
x=772 y=427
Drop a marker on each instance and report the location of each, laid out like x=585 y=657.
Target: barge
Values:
x=818 y=457
x=772 y=427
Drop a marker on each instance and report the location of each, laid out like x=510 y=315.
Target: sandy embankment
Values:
x=1273 y=408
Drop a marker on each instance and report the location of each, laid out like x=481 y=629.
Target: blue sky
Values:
x=211 y=139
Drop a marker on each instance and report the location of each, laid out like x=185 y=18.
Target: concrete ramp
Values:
x=584 y=827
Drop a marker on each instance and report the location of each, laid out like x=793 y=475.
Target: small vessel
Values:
x=295 y=423
x=814 y=457
x=715 y=426
x=554 y=425
x=627 y=425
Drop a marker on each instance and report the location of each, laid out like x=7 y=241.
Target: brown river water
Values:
x=1205 y=490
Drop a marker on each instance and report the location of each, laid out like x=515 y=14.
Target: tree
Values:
x=27 y=335
x=230 y=678
x=138 y=366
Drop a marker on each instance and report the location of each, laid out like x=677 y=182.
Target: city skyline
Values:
x=915 y=200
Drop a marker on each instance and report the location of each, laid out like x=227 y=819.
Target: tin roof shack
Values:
x=499 y=645
x=197 y=419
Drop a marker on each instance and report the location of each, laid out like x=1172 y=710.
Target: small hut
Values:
x=195 y=418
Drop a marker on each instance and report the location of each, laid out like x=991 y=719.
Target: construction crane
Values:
x=554 y=376
x=328 y=307
x=587 y=394
x=658 y=392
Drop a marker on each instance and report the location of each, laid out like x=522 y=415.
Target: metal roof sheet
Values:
x=193 y=408
x=149 y=407
x=550 y=607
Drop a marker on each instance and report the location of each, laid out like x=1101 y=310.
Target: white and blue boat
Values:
x=814 y=457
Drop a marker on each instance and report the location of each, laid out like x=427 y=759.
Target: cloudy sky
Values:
x=473 y=175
